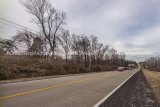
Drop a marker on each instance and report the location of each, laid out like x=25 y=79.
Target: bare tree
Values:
x=122 y=56
x=113 y=55
x=32 y=42
x=65 y=42
x=47 y=18
x=37 y=45
x=101 y=50
x=25 y=37
x=93 y=47
x=85 y=46
x=7 y=46
x=76 y=48
x=81 y=48
x=92 y=50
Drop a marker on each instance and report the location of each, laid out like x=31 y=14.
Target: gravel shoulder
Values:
x=136 y=92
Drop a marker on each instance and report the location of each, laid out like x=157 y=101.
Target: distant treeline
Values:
x=152 y=63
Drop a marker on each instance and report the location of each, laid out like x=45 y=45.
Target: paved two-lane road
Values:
x=70 y=91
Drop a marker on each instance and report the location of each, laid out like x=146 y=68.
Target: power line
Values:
x=13 y=26
x=9 y=24
x=19 y=25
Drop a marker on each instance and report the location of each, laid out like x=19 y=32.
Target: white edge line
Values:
x=106 y=97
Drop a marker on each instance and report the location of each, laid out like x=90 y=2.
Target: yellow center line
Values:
x=50 y=87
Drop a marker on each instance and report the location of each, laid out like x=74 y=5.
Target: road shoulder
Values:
x=153 y=79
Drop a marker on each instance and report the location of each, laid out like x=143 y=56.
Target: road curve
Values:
x=71 y=91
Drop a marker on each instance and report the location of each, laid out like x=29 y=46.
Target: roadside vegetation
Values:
x=152 y=64
x=154 y=80
x=152 y=72
x=53 y=50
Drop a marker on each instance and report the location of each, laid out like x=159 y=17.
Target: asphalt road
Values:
x=71 y=91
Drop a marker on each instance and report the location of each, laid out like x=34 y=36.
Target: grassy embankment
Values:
x=153 y=78
x=17 y=67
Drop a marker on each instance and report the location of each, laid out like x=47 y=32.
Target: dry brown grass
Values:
x=153 y=78
x=15 y=67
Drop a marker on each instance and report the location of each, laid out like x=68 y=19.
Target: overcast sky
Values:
x=127 y=25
